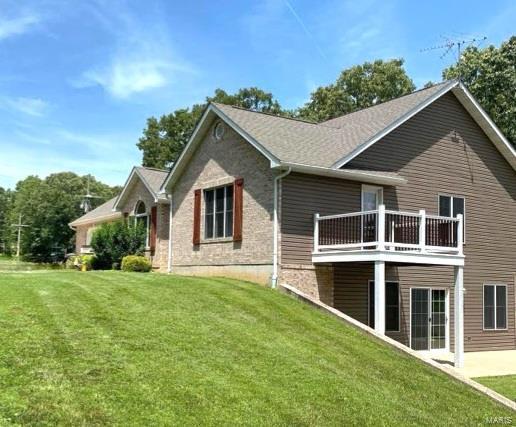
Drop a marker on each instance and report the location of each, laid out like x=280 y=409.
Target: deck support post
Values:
x=459 y=316
x=379 y=297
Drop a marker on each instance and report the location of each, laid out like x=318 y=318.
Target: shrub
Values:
x=76 y=261
x=112 y=241
x=136 y=263
x=88 y=260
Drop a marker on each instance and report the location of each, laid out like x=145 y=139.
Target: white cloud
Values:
x=32 y=106
x=142 y=59
x=17 y=26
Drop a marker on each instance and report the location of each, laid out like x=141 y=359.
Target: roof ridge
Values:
x=265 y=113
x=152 y=169
x=384 y=102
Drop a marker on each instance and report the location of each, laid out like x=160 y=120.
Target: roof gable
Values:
x=151 y=178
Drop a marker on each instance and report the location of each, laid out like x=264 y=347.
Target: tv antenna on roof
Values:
x=86 y=198
x=457 y=44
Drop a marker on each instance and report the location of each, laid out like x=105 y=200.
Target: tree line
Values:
x=47 y=206
x=489 y=73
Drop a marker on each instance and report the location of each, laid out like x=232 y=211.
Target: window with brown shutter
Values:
x=238 y=209
x=153 y=229
x=197 y=218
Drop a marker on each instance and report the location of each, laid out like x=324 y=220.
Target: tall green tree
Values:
x=358 y=87
x=6 y=199
x=164 y=138
x=490 y=75
x=47 y=206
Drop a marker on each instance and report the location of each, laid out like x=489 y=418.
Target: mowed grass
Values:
x=102 y=348
x=505 y=384
x=8 y=263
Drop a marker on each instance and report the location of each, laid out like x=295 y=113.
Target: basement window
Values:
x=218 y=214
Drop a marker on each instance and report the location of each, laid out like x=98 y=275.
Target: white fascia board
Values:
x=104 y=218
x=362 y=147
x=352 y=175
x=486 y=123
x=388 y=256
x=127 y=184
x=195 y=139
x=178 y=165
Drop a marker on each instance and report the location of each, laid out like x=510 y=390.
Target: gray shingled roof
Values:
x=323 y=144
x=105 y=210
x=153 y=177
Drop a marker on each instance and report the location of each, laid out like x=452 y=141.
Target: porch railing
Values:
x=388 y=230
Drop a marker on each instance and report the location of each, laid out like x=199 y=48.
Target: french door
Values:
x=428 y=319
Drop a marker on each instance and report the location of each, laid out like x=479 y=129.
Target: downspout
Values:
x=274 y=280
x=169 y=269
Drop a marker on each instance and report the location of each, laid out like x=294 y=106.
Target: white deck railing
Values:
x=388 y=230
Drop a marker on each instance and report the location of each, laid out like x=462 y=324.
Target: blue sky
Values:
x=79 y=78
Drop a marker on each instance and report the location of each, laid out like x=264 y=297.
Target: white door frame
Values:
x=446 y=348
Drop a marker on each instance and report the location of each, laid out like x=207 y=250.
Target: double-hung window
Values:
x=218 y=214
x=495 y=307
x=451 y=206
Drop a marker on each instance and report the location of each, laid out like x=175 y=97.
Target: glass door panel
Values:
x=438 y=319
x=419 y=319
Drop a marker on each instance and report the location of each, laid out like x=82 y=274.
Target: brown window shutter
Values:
x=153 y=229
x=197 y=218
x=238 y=192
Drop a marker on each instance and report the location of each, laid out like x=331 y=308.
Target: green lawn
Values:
x=8 y=264
x=128 y=349
x=505 y=384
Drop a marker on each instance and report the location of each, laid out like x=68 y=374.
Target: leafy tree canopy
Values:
x=47 y=206
x=490 y=75
x=358 y=87
x=164 y=138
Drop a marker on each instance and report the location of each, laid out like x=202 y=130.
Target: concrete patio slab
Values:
x=483 y=363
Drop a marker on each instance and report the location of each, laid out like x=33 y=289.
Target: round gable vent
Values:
x=218 y=131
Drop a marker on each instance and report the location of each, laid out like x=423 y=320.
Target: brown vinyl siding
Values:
x=303 y=196
x=439 y=150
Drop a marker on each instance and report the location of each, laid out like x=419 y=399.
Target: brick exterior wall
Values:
x=314 y=280
x=160 y=259
x=81 y=232
x=215 y=164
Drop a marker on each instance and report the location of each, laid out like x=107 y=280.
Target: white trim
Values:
x=452 y=196
x=486 y=123
x=429 y=290
x=98 y=219
x=495 y=329
x=458 y=279
x=388 y=256
x=364 y=146
x=369 y=304
x=469 y=103
x=212 y=108
x=203 y=213
x=170 y=219
x=366 y=188
x=351 y=175
x=275 y=228
x=129 y=180
x=379 y=296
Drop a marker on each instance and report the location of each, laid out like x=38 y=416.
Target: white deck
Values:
x=389 y=236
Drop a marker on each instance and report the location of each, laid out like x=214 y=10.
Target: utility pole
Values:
x=19 y=226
